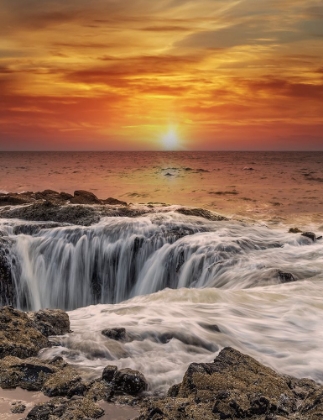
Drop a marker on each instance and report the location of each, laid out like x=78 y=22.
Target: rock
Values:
x=286 y=277
x=309 y=235
x=236 y=386
x=125 y=381
x=64 y=382
x=109 y=373
x=118 y=334
x=18 y=334
x=206 y=214
x=294 y=230
x=61 y=408
x=128 y=381
x=14 y=199
x=17 y=408
x=28 y=374
x=84 y=197
x=248 y=168
x=114 y=202
x=7 y=288
x=51 y=321
x=47 y=211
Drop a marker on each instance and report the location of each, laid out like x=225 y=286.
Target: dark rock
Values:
x=128 y=381
x=18 y=408
x=84 y=197
x=19 y=335
x=206 y=214
x=7 y=288
x=118 y=334
x=51 y=321
x=109 y=373
x=65 y=382
x=286 y=277
x=47 y=211
x=294 y=230
x=114 y=202
x=309 y=235
x=14 y=199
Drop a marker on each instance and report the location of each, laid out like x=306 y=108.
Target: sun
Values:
x=170 y=140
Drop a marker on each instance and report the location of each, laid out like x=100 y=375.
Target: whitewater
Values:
x=183 y=287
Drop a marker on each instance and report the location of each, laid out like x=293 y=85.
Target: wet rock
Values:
x=51 y=321
x=61 y=408
x=100 y=390
x=206 y=214
x=236 y=386
x=286 y=277
x=65 y=382
x=47 y=211
x=128 y=381
x=84 y=197
x=114 y=202
x=118 y=334
x=14 y=199
x=125 y=381
x=7 y=289
x=17 y=408
x=294 y=230
x=309 y=235
x=19 y=335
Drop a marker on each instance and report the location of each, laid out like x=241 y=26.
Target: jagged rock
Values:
x=14 y=199
x=309 y=235
x=18 y=334
x=84 y=197
x=64 y=409
x=206 y=214
x=125 y=381
x=118 y=334
x=65 y=382
x=17 y=408
x=51 y=321
x=286 y=277
x=236 y=386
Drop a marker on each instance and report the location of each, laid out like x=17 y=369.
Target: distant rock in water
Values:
x=206 y=214
x=114 y=202
x=84 y=197
x=286 y=277
x=309 y=235
x=236 y=386
x=117 y=334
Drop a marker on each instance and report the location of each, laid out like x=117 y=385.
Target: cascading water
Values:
x=119 y=258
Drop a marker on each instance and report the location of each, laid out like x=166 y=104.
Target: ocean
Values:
x=182 y=286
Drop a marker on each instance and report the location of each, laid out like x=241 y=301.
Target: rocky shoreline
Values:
x=234 y=386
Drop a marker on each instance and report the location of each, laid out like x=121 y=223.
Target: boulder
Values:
x=310 y=235
x=124 y=381
x=114 y=202
x=84 y=197
x=286 y=277
x=51 y=321
x=18 y=334
x=236 y=386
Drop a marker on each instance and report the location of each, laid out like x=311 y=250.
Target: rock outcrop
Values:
x=236 y=386
x=18 y=334
x=51 y=321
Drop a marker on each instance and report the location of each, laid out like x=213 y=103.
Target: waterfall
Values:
x=119 y=258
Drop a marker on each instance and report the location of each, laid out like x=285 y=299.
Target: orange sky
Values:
x=143 y=74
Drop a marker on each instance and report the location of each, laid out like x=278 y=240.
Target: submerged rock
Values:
x=286 y=277
x=51 y=321
x=309 y=235
x=118 y=334
x=18 y=334
x=236 y=386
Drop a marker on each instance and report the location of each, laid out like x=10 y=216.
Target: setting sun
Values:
x=170 y=140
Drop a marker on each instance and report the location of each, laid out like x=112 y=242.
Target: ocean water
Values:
x=182 y=286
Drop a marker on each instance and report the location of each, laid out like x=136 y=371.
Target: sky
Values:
x=161 y=75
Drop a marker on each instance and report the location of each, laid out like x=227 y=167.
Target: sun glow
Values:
x=170 y=140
